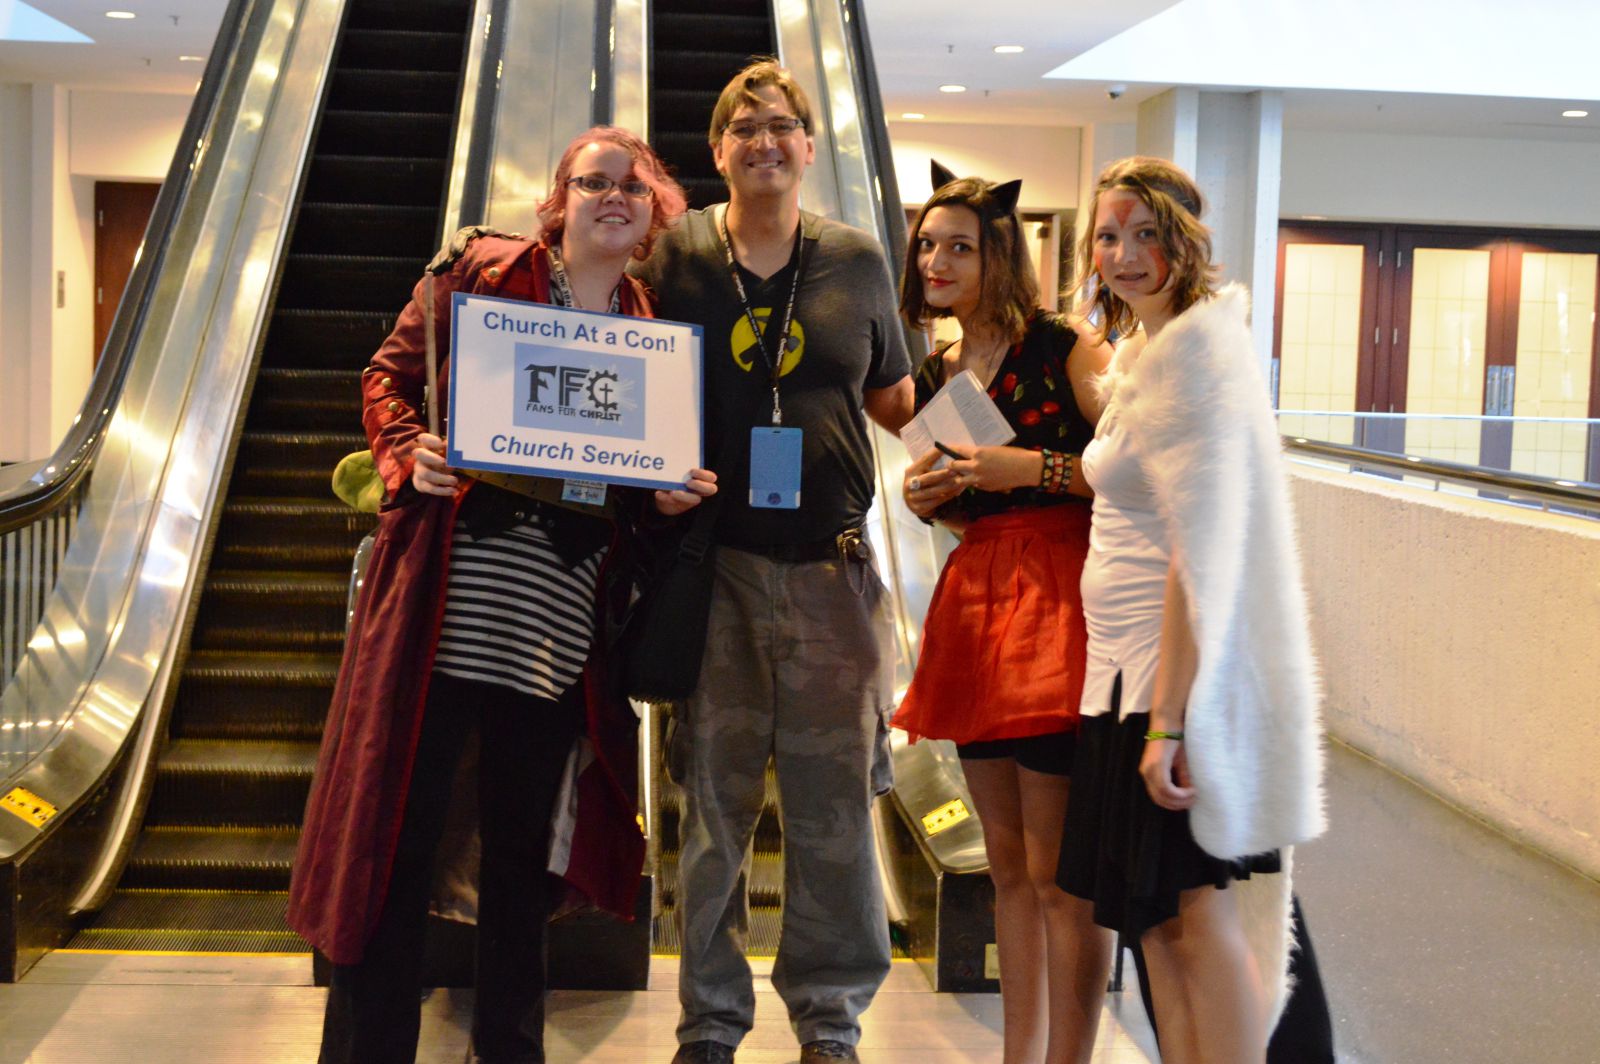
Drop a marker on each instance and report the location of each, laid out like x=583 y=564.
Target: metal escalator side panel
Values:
x=115 y=622
x=549 y=82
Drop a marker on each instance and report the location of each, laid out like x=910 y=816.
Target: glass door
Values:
x=1327 y=332
x=1549 y=378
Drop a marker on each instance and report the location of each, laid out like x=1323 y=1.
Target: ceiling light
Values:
x=1007 y=49
x=1574 y=114
x=191 y=59
x=120 y=14
x=913 y=115
x=952 y=88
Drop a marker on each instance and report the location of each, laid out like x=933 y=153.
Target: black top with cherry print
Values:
x=1033 y=392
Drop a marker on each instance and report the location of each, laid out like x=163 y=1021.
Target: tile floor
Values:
x=1441 y=942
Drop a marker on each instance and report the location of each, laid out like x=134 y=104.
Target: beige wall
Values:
x=1460 y=644
x=125 y=136
x=1447 y=180
x=1044 y=157
x=55 y=143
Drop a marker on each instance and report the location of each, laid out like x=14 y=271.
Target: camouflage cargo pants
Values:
x=798 y=667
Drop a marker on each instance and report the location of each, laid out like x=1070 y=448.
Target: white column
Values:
x=1169 y=126
x=1232 y=142
x=16 y=235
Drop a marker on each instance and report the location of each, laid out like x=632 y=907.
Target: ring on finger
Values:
x=916 y=483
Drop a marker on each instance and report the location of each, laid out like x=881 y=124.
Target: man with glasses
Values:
x=802 y=338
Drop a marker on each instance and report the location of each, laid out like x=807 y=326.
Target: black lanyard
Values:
x=558 y=274
x=774 y=363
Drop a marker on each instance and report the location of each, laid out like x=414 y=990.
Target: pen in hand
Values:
x=957 y=455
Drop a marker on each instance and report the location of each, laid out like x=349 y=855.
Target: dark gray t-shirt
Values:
x=845 y=338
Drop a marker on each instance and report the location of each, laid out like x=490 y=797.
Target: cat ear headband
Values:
x=1005 y=196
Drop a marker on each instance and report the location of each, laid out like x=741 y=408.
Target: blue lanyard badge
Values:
x=775 y=468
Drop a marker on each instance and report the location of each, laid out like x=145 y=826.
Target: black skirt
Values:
x=1120 y=850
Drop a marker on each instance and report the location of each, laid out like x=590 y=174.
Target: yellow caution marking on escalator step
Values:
x=947 y=815
x=27 y=805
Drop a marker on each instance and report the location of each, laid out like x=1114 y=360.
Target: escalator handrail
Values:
x=51 y=485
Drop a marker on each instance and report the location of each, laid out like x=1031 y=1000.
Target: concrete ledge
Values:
x=1460 y=645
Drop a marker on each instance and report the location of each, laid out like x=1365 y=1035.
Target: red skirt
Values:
x=1003 y=646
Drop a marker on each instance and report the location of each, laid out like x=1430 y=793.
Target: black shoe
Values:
x=827 y=1051
x=703 y=1052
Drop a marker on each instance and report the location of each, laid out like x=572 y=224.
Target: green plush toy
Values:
x=357 y=483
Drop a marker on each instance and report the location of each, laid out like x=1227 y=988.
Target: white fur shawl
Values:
x=1195 y=406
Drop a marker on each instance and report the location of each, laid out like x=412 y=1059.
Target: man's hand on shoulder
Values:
x=451 y=253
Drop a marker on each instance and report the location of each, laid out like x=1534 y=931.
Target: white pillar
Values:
x=16 y=284
x=1232 y=143
x=1169 y=126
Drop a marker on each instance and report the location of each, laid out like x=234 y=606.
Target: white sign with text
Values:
x=552 y=391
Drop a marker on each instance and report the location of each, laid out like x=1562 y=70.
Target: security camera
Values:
x=1114 y=92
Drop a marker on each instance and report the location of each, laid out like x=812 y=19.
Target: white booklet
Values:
x=961 y=416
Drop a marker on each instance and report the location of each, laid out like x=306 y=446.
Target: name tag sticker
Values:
x=588 y=492
x=775 y=468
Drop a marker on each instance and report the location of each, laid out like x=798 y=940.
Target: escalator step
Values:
x=766 y=879
x=326 y=339
x=412 y=181
x=684 y=109
x=441 y=15
x=348 y=282
x=298 y=464
x=706 y=71
x=745 y=8
x=703 y=192
x=389 y=49
x=278 y=534
x=766 y=922
x=689 y=154
x=393 y=90
x=273 y=611
x=254 y=695
x=721 y=30
x=214 y=781
x=385 y=134
x=192 y=921
x=769 y=826
x=376 y=229
x=190 y=858
x=305 y=399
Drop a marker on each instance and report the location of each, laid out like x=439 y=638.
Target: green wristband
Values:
x=1178 y=735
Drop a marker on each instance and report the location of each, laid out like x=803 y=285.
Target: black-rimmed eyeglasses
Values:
x=599 y=185
x=778 y=127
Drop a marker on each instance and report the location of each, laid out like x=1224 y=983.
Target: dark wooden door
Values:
x=121 y=212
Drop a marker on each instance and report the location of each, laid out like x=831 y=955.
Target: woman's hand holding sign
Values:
x=430 y=475
x=701 y=484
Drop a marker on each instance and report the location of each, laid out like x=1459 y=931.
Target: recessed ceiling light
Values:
x=1008 y=49
x=120 y=14
x=952 y=88
x=913 y=114
x=191 y=59
x=1574 y=114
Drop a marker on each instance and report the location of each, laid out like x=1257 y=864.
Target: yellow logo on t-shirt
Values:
x=745 y=356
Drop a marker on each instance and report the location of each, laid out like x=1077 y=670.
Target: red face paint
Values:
x=1122 y=208
x=1158 y=259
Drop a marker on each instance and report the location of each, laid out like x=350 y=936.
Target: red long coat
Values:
x=352 y=823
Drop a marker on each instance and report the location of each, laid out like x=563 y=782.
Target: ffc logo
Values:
x=574 y=391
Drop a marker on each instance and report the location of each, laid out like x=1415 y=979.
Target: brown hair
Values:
x=667 y=201
x=763 y=72
x=1175 y=200
x=1008 y=287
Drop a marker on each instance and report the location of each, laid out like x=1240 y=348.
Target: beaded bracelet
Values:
x=1056 y=472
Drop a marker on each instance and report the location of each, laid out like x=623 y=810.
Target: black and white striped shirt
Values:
x=515 y=615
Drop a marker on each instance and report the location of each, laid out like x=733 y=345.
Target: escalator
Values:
x=696 y=46
x=210 y=868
